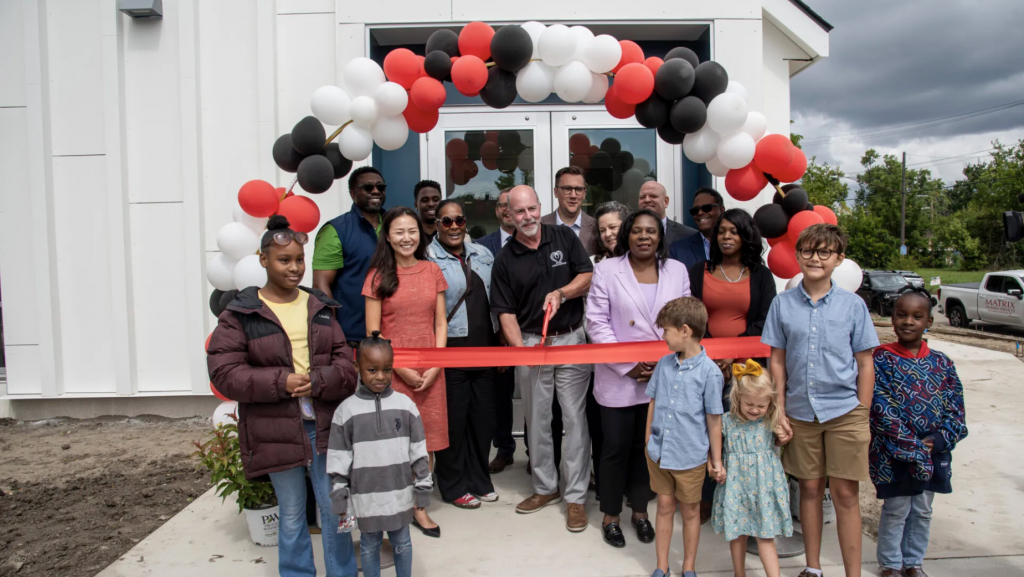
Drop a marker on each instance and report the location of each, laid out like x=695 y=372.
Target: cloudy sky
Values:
x=896 y=63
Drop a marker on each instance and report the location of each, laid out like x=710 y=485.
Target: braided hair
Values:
x=374 y=341
x=918 y=292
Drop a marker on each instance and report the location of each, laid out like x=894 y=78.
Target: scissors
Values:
x=544 y=330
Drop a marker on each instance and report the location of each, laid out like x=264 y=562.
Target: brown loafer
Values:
x=889 y=572
x=535 y=503
x=914 y=572
x=499 y=463
x=575 y=517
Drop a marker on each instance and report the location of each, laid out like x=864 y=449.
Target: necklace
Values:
x=738 y=279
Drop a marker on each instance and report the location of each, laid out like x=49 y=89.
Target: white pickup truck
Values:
x=997 y=299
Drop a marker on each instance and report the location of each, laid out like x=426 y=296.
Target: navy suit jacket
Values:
x=491 y=242
x=688 y=250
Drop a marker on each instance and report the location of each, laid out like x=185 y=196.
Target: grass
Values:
x=949 y=276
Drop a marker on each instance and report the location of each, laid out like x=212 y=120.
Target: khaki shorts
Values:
x=685 y=485
x=837 y=448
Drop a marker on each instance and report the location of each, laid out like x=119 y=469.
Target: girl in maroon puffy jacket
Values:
x=279 y=351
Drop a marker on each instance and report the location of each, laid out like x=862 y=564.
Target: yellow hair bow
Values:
x=751 y=368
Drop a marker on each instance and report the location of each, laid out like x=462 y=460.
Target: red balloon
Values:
x=776 y=240
x=463 y=171
x=782 y=260
x=594 y=149
x=206 y=347
x=302 y=213
x=615 y=106
x=469 y=75
x=456 y=149
x=491 y=136
x=421 y=60
x=799 y=222
x=420 y=120
x=427 y=93
x=289 y=195
x=258 y=198
x=579 y=143
x=774 y=153
x=475 y=40
x=217 y=394
x=796 y=169
x=631 y=52
x=826 y=214
x=488 y=151
x=654 y=63
x=635 y=83
x=745 y=183
x=489 y=163
x=580 y=160
x=402 y=66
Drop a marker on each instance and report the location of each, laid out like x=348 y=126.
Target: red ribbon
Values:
x=473 y=357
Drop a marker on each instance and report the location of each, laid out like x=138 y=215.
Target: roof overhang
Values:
x=805 y=28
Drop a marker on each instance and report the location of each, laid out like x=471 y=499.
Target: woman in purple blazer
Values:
x=625 y=296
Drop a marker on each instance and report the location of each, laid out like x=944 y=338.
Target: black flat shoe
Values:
x=613 y=535
x=435 y=532
x=644 y=530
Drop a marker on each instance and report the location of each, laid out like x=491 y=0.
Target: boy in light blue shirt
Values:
x=684 y=421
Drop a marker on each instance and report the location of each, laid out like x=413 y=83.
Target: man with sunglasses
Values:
x=708 y=206
x=653 y=196
x=571 y=191
x=344 y=246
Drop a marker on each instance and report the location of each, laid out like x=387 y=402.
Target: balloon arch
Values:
x=688 y=102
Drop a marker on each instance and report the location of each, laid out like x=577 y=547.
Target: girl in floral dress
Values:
x=752 y=498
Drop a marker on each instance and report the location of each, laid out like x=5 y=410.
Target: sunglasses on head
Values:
x=448 y=221
x=369 y=186
x=285 y=237
x=694 y=211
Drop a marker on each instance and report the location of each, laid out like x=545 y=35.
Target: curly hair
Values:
x=751 y=247
x=622 y=242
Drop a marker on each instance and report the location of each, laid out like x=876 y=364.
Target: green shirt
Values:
x=327 y=253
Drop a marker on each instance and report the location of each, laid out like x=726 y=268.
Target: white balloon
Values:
x=237 y=240
x=535 y=30
x=848 y=275
x=603 y=53
x=583 y=39
x=220 y=271
x=222 y=412
x=737 y=88
x=756 y=125
x=363 y=76
x=391 y=98
x=557 y=45
x=736 y=150
x=573 y=81
x=364 y=111
x=726 y=113
x=701 y=146
x=330 y=105
x=598 y=88
x=716 y=167
x=390 y=132
x=535 y=82
x=355 y=142
x=640 y=163
x=249 y=272
x=257 y=224
x=799 y=277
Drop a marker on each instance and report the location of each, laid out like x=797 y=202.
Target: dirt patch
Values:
x=76 y=495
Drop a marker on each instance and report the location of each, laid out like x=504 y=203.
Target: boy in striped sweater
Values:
x=376 y=440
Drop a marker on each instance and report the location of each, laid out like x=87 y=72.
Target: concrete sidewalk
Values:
x=975 y=531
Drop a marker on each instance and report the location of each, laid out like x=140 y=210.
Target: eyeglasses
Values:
x=448 y=221
x=284 y=238
x=502 y=205
x=368 y=187
x=694 y=211
x=573 y=189
x=823 y=253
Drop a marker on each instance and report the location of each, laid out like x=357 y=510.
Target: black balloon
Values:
x=308 y=136
x=795 y=201
x=688 y=115
x=511 y=48
x=771 y=220
x=285 y=155
x=219 y=300
x=653 y=112
x=670 y=135
x=710 y=80
x=777 y=198
x=627 y=160
x=341 y=164
x=611 y=146
x=509 y=139
x=684 y=53
x=500 y=90
x=674 y=79
x=444 y=40
x=601 y=160
x=507 y=163
x=438 y=65
x=788 y=187
x=316 y=174
x=474 y=140
x=809 y=206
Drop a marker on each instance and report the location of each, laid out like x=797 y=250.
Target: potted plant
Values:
x=221 y=453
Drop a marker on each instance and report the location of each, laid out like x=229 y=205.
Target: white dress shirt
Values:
x=576 y=226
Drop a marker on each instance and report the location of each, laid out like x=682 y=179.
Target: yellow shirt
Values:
x=294 y=317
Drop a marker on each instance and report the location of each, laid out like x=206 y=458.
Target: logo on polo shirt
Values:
x=556 y=259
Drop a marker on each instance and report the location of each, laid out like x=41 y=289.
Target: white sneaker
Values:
x=488 y=498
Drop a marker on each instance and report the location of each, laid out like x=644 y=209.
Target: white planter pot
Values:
x=828 y=510
x=263 y=525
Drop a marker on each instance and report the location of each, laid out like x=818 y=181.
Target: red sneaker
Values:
x=467 y=501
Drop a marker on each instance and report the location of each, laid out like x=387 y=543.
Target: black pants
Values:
x=505 y=387
x=557 y=432
x=462 y=467
x=596 y=432
x=623 y=462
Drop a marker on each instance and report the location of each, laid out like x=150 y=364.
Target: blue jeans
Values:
x=294 y=546
x=369 y=552
x=903 y=531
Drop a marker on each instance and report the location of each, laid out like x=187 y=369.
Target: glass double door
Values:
x=477 y=154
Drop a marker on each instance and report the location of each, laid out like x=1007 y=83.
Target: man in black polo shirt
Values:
x=543 y=267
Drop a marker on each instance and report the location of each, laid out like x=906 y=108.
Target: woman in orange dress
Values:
x=405 y=302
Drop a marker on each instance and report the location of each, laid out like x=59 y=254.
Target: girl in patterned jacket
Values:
x=917 y=418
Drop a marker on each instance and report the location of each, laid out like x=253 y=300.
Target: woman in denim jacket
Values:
x=462 y=475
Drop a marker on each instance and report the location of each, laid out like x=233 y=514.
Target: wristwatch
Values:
x=562 y=294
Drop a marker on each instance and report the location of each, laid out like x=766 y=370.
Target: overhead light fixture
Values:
x=141 y=8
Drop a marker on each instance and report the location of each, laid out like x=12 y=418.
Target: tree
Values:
x=824 y=185
x=953 y=245
x=988 y=190
x=871 y=245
